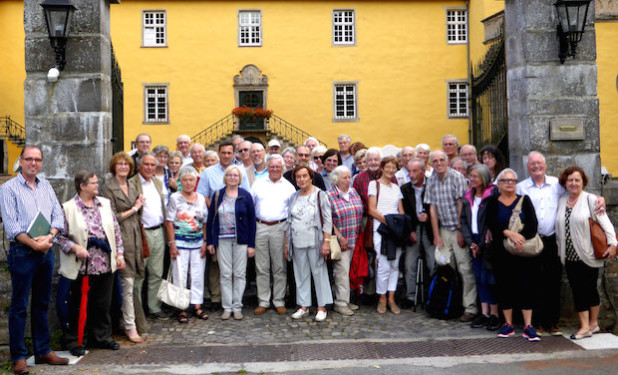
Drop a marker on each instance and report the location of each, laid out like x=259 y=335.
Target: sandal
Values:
x=200 y=314
x=183 y=318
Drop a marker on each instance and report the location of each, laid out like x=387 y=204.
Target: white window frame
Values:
x=343 y=25
x=459 y=28
x=157 y=121
x=461 y=89
x=345 y=117
x=250 y=26
x=152 y=28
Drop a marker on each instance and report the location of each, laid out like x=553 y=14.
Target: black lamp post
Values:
x=572 y=20
x=58 y=14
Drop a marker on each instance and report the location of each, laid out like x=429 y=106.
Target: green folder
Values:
x=39 y=226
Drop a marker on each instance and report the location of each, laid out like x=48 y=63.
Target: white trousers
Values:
x=387 y=274
x=189 y=262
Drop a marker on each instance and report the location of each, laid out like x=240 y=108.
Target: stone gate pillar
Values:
x=553 y=108
x=70 y=119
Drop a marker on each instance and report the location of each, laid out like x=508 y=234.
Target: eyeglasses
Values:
x=302 y=155
x=36 y=160
x=317 y=157
x=243 y=150
x=509 y=181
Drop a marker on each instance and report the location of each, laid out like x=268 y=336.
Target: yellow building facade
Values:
x=179 y=59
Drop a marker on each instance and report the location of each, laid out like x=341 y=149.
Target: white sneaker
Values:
x=300 y=313
x=320 y=316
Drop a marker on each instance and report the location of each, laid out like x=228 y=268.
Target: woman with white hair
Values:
x=231 y=231
x=289 y=158
x=347 y=211
x=210 y=158
x=316 y=159
x=185 y=223
x=422 y=152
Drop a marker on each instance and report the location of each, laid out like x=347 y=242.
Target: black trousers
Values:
x=548 y=285
x=583 y=281
x=98 y=322
x=515 y=278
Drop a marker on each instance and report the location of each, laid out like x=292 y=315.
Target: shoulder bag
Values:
x=532 y=247
x=597 y=236
x=335 y=249
x=174 y=295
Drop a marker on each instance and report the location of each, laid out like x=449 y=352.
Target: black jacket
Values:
x=465 y=219
x=318 y=181
x=409 y=207
x=395 y=234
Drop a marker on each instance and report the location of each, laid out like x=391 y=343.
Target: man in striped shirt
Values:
x=31 y=263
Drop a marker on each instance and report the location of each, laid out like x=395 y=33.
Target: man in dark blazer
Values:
x=421 y=238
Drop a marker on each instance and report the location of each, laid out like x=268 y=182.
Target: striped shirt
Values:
x=21 y=205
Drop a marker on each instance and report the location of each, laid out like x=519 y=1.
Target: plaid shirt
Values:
x=347 y=214
x=361 y=184
x=444 y=194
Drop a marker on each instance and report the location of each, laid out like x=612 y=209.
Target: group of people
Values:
x=293 y=210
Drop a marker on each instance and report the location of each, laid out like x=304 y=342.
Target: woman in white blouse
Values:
x=575 y=247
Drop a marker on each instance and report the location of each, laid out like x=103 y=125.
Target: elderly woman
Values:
x=354 y=149
x=474 y=229
x=91 y=245
x=575 y=207
x=174 y=162
x=383 y=198
x=514 y=274
x=316 y=159
x=309 y=226
x=347 y=209
x=422 y=152
x=231 y=231
x=126 y=203
x=162 y=172
x=289 y=158
x=210 y=158
x=359 y=161
x=331 y=160
x=493 y=159
x=185 y=223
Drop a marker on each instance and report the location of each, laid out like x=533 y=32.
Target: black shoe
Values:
x=480 y=321
x=493 y=324
x=215 y=306
x=406 y=304
x=109 y=344
x=159 y=316
x=77 y=351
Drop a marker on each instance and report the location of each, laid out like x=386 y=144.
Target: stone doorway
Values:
x=251 y=90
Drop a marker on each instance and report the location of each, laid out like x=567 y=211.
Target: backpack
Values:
x=444 y=299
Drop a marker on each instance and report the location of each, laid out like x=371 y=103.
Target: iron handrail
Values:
x=12 y=129
x=288 y=131
x=220 y=129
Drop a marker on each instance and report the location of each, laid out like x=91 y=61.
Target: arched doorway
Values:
x=251 y=90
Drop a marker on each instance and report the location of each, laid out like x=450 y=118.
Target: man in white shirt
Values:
x=152 y=217
x=402 y=176
x=183 y=144
x=544 y=192
x=271 y=197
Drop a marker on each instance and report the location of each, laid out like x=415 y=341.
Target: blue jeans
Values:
x=29 y=269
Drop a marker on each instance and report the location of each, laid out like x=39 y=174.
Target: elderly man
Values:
x=211 y=180
x=402 y=175
x=422 y=152
x=258 y=170
x=311 y=143
x=197 y=152
x=445 y=189
x=450 y=145
x=274 y=147
x=544 y=192
x=347 y=158
x=25 y=199
x=469 y=155
x=243 y=154
x=142 y=144
x=271 y=197
x=421 y=239
x=183 y=143
x=153 y=215
x=303 y=154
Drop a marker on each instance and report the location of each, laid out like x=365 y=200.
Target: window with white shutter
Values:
x=154 y=28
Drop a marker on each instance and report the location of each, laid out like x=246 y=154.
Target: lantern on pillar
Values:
x=572 y=16
x=58 y=15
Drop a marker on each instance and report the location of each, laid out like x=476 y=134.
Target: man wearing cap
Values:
x=274 y=147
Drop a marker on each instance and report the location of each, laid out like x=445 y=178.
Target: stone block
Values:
x=541 y=46
x=68 y=94
x=34 y=19
x=539 y=14
x=563 y=106
x=557 y=81
x=86 y=18
x=73 y=127
x=36 y=93
x=84 y=54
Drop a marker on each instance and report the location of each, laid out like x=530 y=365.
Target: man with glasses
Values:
x=183 y=144
x=236 y=141
x=258 y=170
x=22 y=199
x=444 y=192
x=243 y=154
x=142 y=144
x=469 y=155
x=450 y=145
x=304 y=155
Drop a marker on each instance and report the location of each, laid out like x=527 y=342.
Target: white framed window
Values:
x=344 y=27
x=457 y=92
x=156 y=103
x=457 y=26
x=249 y=28
x=154 y=28
x=345 y=101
